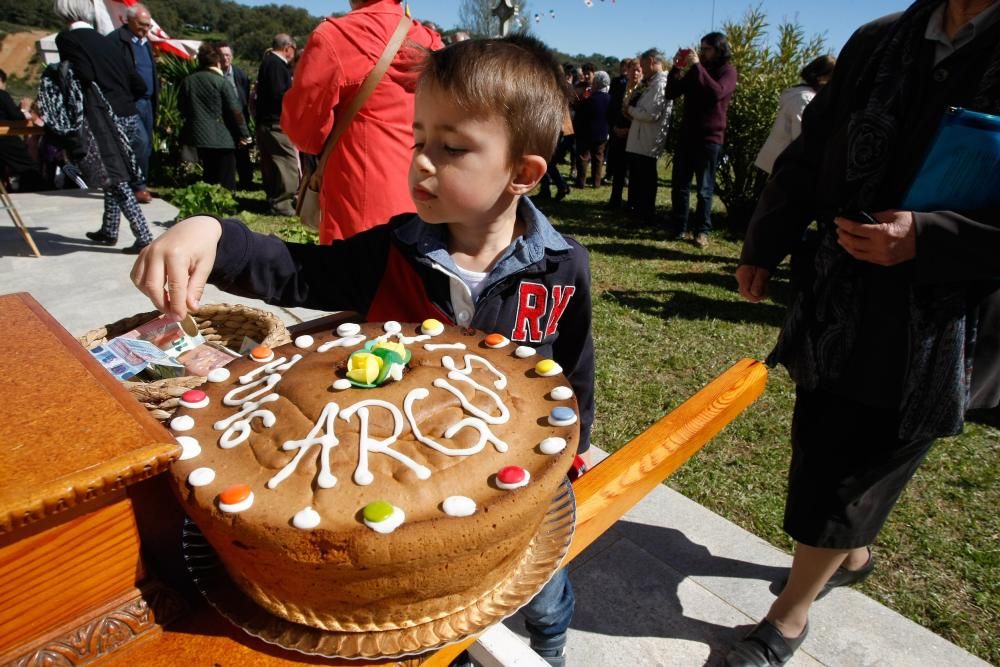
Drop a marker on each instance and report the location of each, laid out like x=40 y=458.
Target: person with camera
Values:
x=706 y=80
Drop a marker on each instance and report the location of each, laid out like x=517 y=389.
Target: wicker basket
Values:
x=219 y=322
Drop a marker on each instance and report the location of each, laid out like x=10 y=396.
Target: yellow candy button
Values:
x=545 y=366
x=431 y=325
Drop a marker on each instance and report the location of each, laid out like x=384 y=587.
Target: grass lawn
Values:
x=667 y=320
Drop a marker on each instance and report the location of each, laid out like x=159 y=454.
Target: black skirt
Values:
x=848 y=469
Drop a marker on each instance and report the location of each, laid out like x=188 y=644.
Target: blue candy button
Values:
x=562 y=415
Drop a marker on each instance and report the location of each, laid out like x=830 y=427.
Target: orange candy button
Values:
x=260 y=352
x=236 y=493
x=494 y=339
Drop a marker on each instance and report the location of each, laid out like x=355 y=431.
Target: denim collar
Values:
x=431 y=242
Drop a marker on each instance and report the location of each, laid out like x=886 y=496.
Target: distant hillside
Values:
x=248 y=29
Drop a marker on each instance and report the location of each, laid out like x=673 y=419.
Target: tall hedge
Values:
x=765 y=69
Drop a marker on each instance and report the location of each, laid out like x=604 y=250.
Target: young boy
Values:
x=477 y=253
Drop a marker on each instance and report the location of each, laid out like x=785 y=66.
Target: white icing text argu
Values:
x=237 y=427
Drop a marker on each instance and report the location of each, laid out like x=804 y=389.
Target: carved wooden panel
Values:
x=60 y=575
x=113 y=629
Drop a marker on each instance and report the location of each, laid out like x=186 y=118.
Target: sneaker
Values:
x=100 y=238
x=701 y=240
x=134 y=249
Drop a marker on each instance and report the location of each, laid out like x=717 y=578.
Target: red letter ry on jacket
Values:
x=532 y=304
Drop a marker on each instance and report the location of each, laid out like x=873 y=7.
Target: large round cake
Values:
x=375 y=477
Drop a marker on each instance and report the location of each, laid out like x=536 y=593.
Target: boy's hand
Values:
x=173 y=269
x=752 y=282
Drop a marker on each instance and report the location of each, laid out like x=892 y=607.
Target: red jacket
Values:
x=364 y=183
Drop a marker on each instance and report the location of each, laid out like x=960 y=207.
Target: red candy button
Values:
x=236 y=493
x=193 y=396
x=511 y=475
x=260 y=352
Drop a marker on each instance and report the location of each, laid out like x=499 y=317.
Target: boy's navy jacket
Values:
x=538 y=293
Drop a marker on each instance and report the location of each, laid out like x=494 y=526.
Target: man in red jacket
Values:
x=364 y=183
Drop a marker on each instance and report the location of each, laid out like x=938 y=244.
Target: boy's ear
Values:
x=528 y=171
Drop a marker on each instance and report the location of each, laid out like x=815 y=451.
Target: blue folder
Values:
x=962 y=169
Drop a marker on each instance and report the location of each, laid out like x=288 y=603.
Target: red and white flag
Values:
x=110 y=15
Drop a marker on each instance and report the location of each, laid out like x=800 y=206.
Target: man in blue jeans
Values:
x=138 y=56
x=707 y=81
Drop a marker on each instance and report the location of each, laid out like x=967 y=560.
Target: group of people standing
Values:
x=622 y=125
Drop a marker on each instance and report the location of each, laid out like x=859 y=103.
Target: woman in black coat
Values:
x=109 y=89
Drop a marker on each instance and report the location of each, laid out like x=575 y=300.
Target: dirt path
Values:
x=18 y=49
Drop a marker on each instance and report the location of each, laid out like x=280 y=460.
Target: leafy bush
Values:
x=764 y=72
x=203 y=198
x=165 y=163
x=297 y=233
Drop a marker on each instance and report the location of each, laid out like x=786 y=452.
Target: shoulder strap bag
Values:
x=307 y=206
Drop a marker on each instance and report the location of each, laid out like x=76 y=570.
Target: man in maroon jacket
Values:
x=707 y=81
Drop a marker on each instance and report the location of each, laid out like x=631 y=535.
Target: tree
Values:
x=476 y=17
x=764 y=71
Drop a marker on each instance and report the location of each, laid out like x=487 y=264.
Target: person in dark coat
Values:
x=16 y=162
x=137 y=54
x=213 y=118
x=591 y=122
x=109 y=90
x=279 y=159
x=707 y=81
x=240 y=82
x=896 y=334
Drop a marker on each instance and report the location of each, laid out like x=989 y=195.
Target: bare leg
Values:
x=811 y=568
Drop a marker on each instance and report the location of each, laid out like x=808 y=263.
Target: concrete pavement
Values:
x=670 y=584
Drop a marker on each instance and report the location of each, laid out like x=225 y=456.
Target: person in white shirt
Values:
x=788 y=123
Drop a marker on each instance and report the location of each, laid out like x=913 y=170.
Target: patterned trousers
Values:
x=119 y=199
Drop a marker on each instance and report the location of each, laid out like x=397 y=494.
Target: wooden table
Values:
x=23 y=129
x=72 y=578
x=103 y=441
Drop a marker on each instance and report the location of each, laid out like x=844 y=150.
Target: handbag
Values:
x=307 y=201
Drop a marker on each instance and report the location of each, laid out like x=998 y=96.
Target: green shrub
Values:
x=203 y=198
x=764 y=71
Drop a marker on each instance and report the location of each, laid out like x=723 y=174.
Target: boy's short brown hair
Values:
x=515 y=77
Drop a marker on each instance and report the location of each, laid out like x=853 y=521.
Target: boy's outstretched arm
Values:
x=175 y=267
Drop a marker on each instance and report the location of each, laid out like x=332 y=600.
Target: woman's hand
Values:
x=173 y=270
x=892 y=241
x=752 y=282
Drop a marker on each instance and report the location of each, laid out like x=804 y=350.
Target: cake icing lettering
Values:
x=502 y=418
x=434 y=347
x=366 y=444
x=273 y=366
x=233 y=397
x=449 y=363
x=327 y=441
x=237 y=427
x=346 y=341
x=485 y=434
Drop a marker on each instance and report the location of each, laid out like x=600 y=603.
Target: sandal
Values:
x=765 y=646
